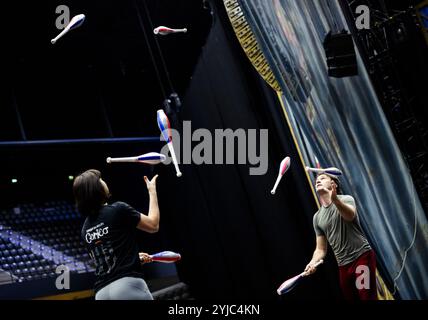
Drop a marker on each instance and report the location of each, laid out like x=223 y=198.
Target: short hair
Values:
x=89 y=193
x=335 y=179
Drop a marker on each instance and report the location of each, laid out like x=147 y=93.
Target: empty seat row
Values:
x=35 y=239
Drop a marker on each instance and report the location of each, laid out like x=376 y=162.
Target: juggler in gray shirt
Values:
x=345 y=238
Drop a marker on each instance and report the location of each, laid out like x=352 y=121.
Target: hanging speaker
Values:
x=341 y=56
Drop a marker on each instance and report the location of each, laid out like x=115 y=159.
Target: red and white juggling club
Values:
x=332 y=171
x=148 y=158
x=166 y=257
x=291 y=283
x=283 y=168
x=317 y=163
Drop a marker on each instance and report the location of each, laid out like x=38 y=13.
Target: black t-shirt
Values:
x=110 y=238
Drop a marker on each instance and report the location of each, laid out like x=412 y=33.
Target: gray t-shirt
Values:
x=345 y=238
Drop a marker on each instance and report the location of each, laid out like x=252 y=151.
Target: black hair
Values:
x=89 y=193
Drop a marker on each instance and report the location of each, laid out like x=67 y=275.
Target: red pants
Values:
x=359 y=283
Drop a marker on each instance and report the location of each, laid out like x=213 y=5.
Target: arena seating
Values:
x=36 y=238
